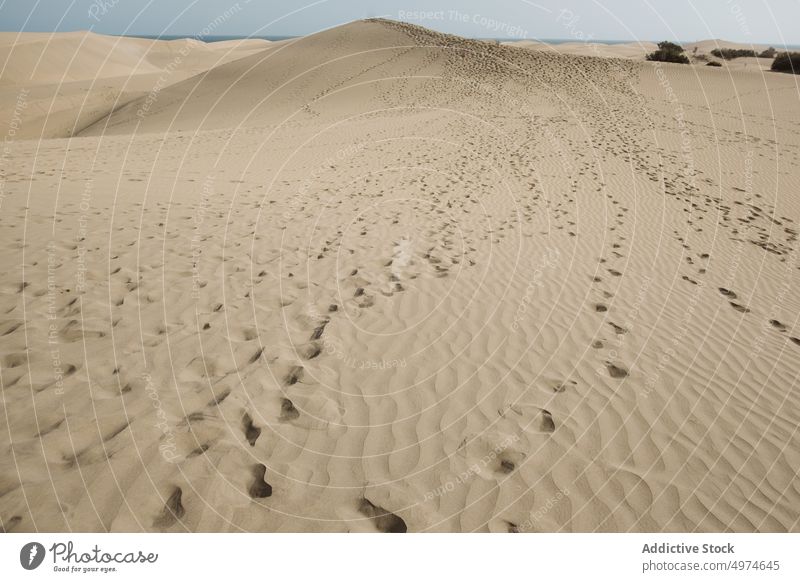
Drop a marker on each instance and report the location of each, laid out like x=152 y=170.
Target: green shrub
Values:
x=728 y=54
x=787 y=63
x=768 y=54
x=713 y=64
x=668 y=52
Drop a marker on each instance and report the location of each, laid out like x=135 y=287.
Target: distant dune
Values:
x=698 y=52
x=385 y=279
x=72 y=79
x=628 y=50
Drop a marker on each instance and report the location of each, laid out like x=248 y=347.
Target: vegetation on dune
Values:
x=730 y=53
x=668 y=52
x=713 y=64
x=768 y=53
x=787 y=63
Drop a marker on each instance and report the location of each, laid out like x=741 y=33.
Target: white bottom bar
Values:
x=350 y=558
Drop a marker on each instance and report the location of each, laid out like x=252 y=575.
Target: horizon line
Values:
x=196 y=36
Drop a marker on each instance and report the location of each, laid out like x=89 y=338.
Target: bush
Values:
x=787 y=63
x=668 y=52
x=713 y=64
x=728 y=54
x=768 y=54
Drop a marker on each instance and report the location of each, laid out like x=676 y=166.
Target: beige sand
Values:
x=55 y=85
x=381 y=278
x=628 y=50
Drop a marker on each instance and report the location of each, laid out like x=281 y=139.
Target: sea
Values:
x=218 y=38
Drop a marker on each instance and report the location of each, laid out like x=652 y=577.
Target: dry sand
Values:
x=628 y=50
x=385 y=279
x=54 y=85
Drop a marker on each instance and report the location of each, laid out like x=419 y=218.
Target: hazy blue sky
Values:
x=749 y=21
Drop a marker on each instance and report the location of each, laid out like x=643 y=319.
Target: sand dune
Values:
x=628 y=50
x=706 y=46
x=56 y=85
x=385 y=279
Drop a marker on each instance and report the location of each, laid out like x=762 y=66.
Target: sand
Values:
x=627 y=50
x=55 y=85
x=385 y=279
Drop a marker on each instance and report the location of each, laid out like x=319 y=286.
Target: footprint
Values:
x=9 y=525
x=617 y=329
x=14 y=360
x=739 y=308
x=259 y=488
x=256 y=356
x=727 y=293
x=288 y=411
x=547 y=424
x=600 y=308
x=559 y=386
x=384 y=521
x=319 y=330
x=777 y=325
x=73 y=332
x=506 y=467
x=219 y=398
x=366 y=301
x=294 y=375
x=172 y=512
x=251 y=431
x=310 y=350
x=616 y=371
x=11 y=329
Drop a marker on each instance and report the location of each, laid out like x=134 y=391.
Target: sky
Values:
x=746 y=21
